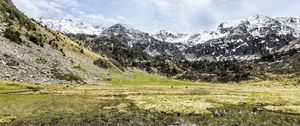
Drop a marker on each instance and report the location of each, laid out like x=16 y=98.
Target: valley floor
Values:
x=171 y=103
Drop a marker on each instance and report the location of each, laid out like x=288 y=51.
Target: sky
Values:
x=183 y=16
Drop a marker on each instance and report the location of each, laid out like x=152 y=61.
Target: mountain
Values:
x=71 y=26
x=242 y=39
x=245 y=39
x=233 y=51
x=168 y=36
x=142 y=41
x=256 y=25
x=291 y=22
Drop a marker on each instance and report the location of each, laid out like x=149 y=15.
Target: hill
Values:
x=32 y=53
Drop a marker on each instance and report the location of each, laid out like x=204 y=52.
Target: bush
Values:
x=102 y=63
x=62 y=51
x=81 y=51
x=117 y=64
x=58 y=74
x=14 y=14
x=36 y=40
x=12 y=35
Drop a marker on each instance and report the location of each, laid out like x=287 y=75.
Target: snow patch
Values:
x=69 y=26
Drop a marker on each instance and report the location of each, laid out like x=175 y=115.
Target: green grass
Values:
x=250 y=116
x=143 y=99
x=140 y=78
x=51 y=109
x=15 y=87
x=5 y=85
x=47 y=109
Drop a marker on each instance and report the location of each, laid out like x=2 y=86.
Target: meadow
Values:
x=151 y=100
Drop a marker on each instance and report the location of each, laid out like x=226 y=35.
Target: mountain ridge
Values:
x=254 y=22
x=242 y=39
x=68 y=26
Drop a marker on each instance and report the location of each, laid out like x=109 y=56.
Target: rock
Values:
x=108 y=79
x=14 y=67
x=3 y=62
x=7 y=75
x=123 y=111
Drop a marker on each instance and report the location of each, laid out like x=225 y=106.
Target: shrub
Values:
x=58 y=74
x=81 y=51
x=12 y=35
x=14 y=14
x=36 y=40
x=62 y=51
x=102 y=63
x=117 y=64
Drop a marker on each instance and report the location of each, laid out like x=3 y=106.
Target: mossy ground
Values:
x=247 y=103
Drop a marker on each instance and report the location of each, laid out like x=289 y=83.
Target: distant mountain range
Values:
x=242 y=39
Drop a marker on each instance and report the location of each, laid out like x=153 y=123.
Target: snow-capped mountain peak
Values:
x=121 y=28
x=255 y=25
x=256 y=20
x=168 y=36
x=290 y=21
x=243 y=39
x=71 y=26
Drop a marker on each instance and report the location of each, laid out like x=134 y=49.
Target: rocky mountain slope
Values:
x=35 y=54
x=142 y=41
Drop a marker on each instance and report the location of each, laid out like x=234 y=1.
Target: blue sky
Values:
x=154 y=15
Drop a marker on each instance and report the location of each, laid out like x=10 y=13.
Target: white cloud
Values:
x=165 y=5
x=57 y=9
x=175 y=15
x=41 y=8
x=153 y=15
x=197 y=3
x=99 y=19
x=162 y=4
x=34 y=10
